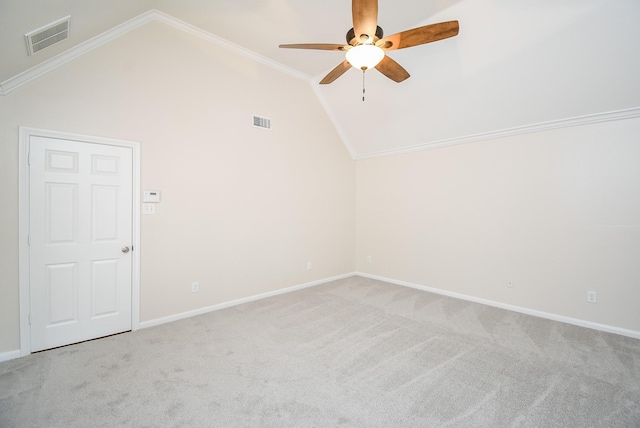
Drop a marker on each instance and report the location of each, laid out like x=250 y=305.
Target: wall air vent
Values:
x=261 y=122
x=48 y=35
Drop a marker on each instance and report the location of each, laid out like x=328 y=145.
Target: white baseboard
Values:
x=11 y=355
x=200 y=311
x=582 y=323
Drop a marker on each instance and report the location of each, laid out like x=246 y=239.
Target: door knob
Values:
x=125 y=249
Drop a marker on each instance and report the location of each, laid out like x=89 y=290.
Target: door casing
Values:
x=23 y=224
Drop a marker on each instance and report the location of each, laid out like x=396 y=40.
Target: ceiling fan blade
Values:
x=317 y=46
x=365 y=17
x=392 y=69
x=419 y=36
x=336 y=72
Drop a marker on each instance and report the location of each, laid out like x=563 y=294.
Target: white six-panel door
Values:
x=80 y=238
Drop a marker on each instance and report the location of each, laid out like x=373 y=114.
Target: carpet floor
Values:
x=354 y=353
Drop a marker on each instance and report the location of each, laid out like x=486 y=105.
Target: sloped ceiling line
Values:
x=122 y=29
x=315 y=86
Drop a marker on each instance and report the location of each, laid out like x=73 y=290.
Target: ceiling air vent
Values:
x=48 y=35
x=261 y=122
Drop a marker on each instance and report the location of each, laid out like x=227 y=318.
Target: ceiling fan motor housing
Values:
x=352 y=40
x=366 y=50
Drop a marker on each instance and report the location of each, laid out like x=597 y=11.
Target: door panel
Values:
x=61 y=292
x=60 y=213
x=80 y=205
x=105 y=208
x=104 y=288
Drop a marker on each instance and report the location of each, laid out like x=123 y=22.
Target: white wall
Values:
x=243 y=209
x=556 y=212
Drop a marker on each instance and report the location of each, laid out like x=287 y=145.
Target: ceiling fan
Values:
x=366 y=45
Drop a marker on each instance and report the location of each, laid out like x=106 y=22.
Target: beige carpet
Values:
x=353 y=353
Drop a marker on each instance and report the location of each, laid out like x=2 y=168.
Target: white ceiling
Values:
x=515 y=63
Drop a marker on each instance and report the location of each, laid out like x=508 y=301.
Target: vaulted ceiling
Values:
x=515 y=63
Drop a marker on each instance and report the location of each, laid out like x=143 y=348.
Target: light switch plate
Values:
x=148 y=209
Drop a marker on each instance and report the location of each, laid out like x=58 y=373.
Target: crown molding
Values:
x=124 y=28
x=74 y=52
x=195 y=31
x=519 y=130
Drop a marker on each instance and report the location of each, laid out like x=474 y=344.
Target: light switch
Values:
x=148 y=209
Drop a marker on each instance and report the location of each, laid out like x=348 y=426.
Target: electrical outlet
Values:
x=369 y=259
x=195 y=287
x=510 y=284
x=592 y=297
x=308 y=265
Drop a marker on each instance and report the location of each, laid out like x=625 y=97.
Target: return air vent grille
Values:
x=48 y=35
x=262 y=122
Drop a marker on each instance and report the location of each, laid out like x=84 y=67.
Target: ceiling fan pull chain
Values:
x=363 y=70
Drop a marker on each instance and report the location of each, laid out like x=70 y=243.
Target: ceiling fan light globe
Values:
x=364 y=57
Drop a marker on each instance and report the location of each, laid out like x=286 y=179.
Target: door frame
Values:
x=23 y=223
